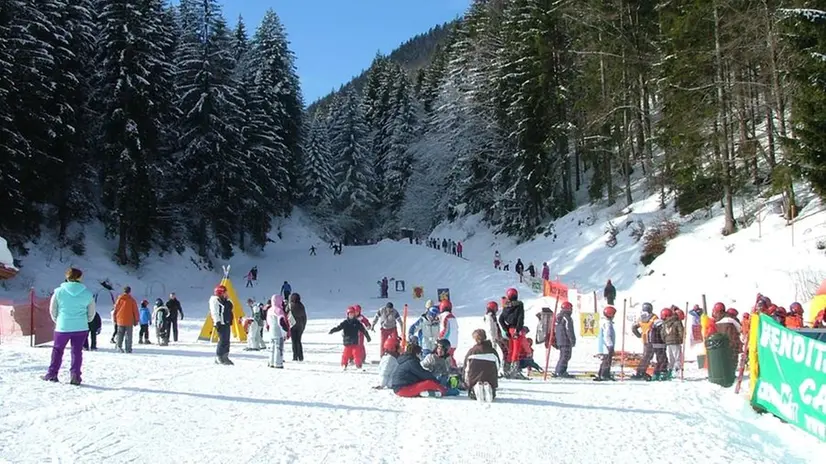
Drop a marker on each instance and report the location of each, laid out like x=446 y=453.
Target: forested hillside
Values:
x=531 y=102
x=165 y=123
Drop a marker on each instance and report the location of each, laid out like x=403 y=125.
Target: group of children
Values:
x=158 y=317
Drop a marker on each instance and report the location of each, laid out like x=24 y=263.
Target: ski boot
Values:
x=431 y=394
x=640 y=376
x=75 y=379
x=49 y=378
x=140 y=341
x=483 y=392
x=147 y=342
x=225 y=361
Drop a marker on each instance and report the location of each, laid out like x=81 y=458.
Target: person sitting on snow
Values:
x=411 y=380
x=526 y=352
x=425 y=331
x=481 y=368
x=351 y=329
x=388 y=363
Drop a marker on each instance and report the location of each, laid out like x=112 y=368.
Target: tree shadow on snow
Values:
x=554 y=404
x=240 y=399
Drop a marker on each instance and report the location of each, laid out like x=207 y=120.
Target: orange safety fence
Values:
x=24 y=319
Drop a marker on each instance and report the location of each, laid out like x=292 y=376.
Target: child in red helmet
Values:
x=512 y=320
x=564 y=339
x=388 y=363
x=608 y=335
x=449 y=329
x=526 y=352
x=352 y=330
x=794 y=320
x=366 y=323
x=820 y=320
x=673 y=335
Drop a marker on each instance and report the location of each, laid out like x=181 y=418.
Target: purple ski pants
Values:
x=61 y=339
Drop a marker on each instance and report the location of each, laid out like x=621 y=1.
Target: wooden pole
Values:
x=685 y=344
x=622 y=353
x=31 y=316
x=404 y=328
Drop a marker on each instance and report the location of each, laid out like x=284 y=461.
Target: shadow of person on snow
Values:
x=554 y=404
x=200 y=354
x=240 y=399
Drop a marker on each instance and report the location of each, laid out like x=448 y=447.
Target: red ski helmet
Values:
x=718 y=308
x=351 y=310
x=609 y=312
x=567 y=306
x=391 y=344
x=445 y=306
x=771 y=309
x=220 y=290
x=511 y=294
x=357 y=308
x=665 y=313
x=492 y=306
x=796 y=308
x=780 y=311
x=680 y=314
x=731 y=312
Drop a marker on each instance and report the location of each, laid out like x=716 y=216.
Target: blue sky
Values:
x=334 y=40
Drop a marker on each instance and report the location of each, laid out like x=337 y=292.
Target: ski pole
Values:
x=404 y=328
x=685 y=346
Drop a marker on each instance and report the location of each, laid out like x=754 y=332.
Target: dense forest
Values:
x=175 y=129
x=166 y=124
x=531 y=106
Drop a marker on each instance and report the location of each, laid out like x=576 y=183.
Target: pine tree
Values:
x=132 y=89
x=319 y=185
x=212 y=173
x=354 y=176
x=402 y=129
x=807 y=34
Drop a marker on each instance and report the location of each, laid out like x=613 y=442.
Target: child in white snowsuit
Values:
x=160 y=319
x=254 y=340
x=279 y=329
x=388 y=363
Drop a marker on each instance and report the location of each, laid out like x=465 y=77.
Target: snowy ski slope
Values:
x=172 y=404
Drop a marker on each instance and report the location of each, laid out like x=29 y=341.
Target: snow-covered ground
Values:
x=172 y=404
x=5 y=255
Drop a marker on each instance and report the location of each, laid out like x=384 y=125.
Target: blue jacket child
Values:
x=145 y=313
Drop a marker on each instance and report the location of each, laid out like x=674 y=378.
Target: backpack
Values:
x=543 y=327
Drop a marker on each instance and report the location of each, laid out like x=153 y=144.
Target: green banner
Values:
x=791 y=383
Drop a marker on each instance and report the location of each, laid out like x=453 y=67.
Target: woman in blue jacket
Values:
x=72 y=307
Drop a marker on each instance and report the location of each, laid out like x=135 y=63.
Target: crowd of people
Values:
x=449 y=246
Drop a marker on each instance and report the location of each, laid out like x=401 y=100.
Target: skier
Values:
x=495 y=330
x=459 y=249
x=312 y=250
x=383 y=287
x=286 y=290
x=145 y=315
x=512 y=320
x=641 y=329
x=411 y=379
x=610 y=293
x=160 y=320
x=175 y=308
x=220 y=308
x=481 y=369
x=520 y=268
x=425 y=331
x=673 y=335
x=351 y=328
x=387 y=319
x=531 y=270
x=279 y=329
x=449 y=329
x=564 y=339
x=656 y=337
x=546 y=272
x=388 y=363
x=608 y=335
x=497 y=260
x=254 y=340
x=94 y=330
x=249 y=279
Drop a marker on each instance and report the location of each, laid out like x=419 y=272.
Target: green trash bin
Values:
x=720 y=363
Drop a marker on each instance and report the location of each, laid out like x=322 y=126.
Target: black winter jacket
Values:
x=513 y=316
x=610 y=293
x=409 y=372
x=564 y=330
x=351 y=328
x=94 y=326
x=174 y=307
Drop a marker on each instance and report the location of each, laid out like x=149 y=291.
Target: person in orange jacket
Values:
x=820 y=320
x=126 y=317
x=794 y=319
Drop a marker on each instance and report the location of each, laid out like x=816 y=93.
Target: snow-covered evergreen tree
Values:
x=211 y=170
x=353 y=171
x=319 y=184
x=132 y=94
